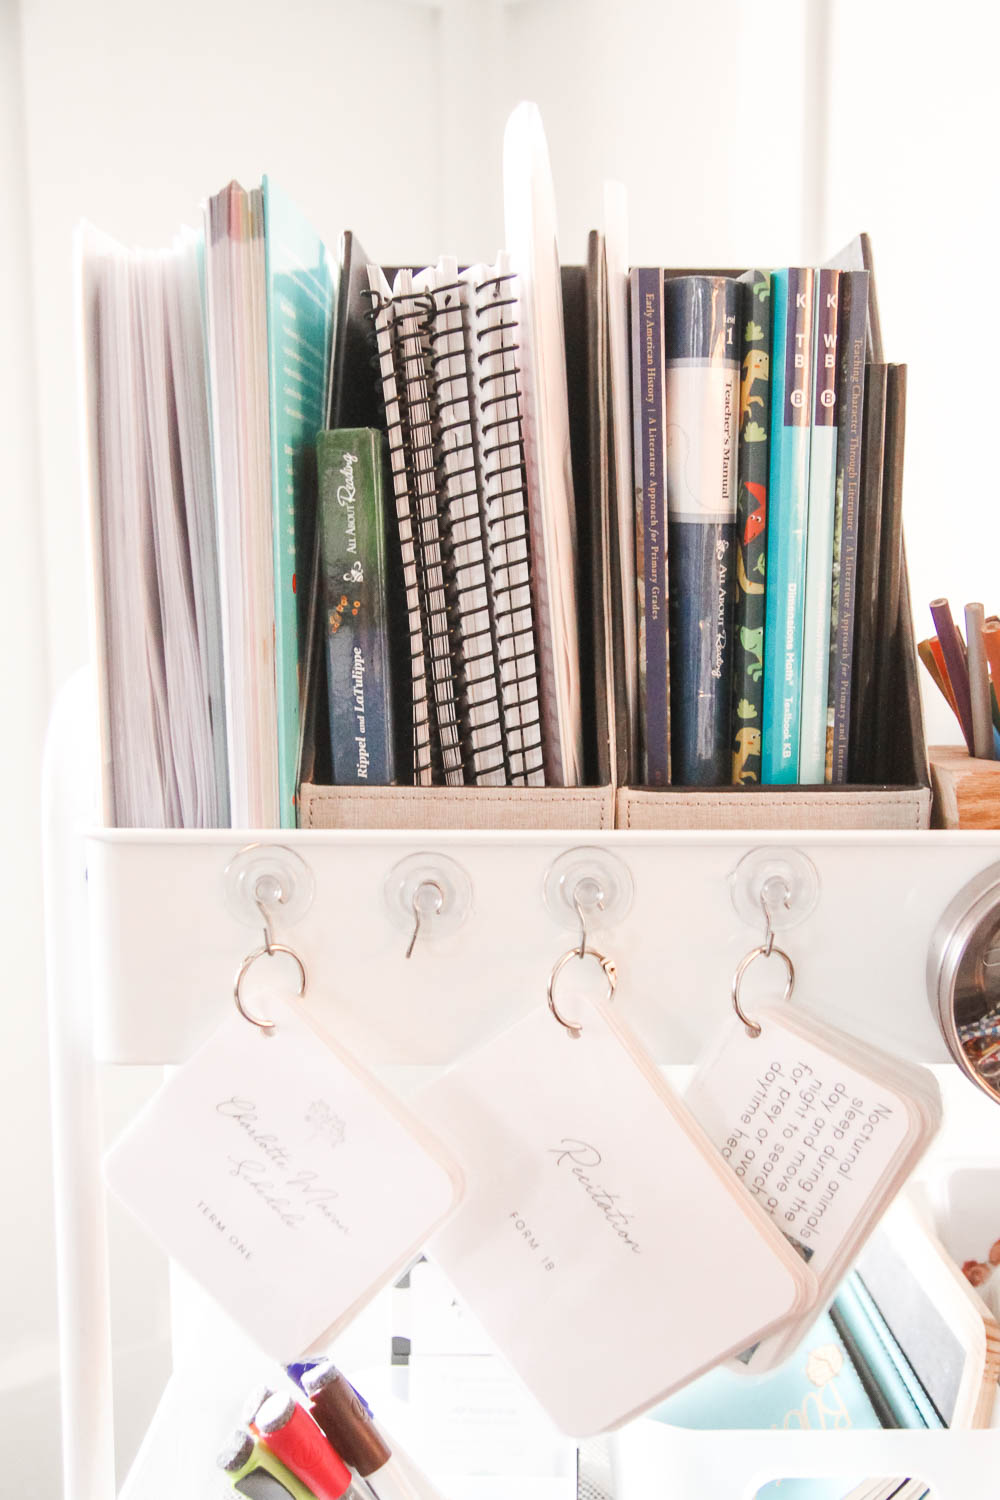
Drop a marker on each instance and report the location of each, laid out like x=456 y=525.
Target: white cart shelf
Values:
x=165 y=943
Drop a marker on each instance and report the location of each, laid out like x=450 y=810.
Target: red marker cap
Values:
x=292 y=1435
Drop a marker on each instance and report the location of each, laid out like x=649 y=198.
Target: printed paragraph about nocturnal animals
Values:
x=810 y=1138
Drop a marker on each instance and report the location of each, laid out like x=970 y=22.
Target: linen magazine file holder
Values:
x=611 y=797
x=897 y=790
x=359 y=400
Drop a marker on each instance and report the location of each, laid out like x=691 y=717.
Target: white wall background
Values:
x=747 y=131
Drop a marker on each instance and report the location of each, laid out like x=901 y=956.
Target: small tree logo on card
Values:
x=325 y=1122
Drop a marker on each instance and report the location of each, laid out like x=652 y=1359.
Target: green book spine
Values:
x=751 y=527
x=355 y=604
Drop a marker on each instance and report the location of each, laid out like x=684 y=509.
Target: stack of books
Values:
x=205 y=370
x=767 y=462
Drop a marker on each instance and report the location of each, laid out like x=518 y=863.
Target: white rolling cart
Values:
x=167 y=919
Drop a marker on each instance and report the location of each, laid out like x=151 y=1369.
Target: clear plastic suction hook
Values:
x=778 y=887
x=268 y=885
x=588 y=887
x=428 y=899
x=428 y=896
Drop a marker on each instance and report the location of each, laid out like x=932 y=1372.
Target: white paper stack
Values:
x=154 y=535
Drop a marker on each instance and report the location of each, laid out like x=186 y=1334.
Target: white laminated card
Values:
x=284 y=1178
x=821 y=1129
x=603 y=1244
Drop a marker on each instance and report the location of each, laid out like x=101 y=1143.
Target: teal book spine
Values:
x=792 y=294
x=352 y=545
x=300 y=300
x=819 y=545
x=875 y=1350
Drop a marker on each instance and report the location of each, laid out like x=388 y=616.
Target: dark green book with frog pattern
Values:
x=751 y=526
x=354 y=575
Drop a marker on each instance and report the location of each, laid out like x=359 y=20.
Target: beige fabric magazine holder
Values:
x=904 y=805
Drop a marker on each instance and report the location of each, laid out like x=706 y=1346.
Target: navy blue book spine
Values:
x=651 y=528
x=702 y=349
x=851 y=347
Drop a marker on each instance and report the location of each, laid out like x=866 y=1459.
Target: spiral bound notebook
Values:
x=447 y=358
x=426 y=754
x=498 y=415
x=463 y=521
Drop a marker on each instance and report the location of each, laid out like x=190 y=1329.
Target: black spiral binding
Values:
x=505 y=487
x=427 y=766
x=414 y=325
x=405 y=347
x=464 y=536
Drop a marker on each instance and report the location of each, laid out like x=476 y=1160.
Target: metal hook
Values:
x=267 y=892
x=418 y=914
x=597 y=902
x=786 y=901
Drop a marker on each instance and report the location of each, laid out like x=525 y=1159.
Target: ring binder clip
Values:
x=267 y=891
x=610 y=972
x=267 y=951
x=766 y=949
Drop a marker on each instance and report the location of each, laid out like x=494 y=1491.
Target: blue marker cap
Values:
x=295 y=1372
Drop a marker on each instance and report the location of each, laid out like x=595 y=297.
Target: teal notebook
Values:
x=874 y=1348
x=819 y=549
x=301 y=290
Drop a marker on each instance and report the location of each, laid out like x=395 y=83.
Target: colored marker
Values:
x=991 y=640
x=296 y=1371
x=927 y=655
x=953 y=652
x=979 y=681
x=254 y=1470
x=254 y=1402
x=345 y=1419
x=290 y=1432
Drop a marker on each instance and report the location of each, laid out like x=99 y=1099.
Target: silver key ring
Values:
x=574 y=1028
x=768 y=950
x=268 y=951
